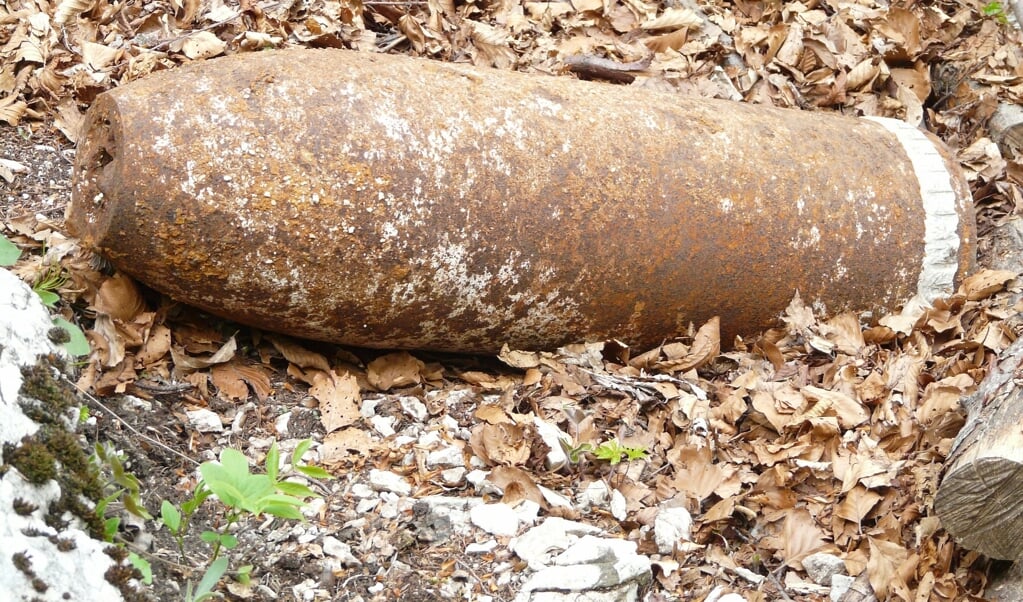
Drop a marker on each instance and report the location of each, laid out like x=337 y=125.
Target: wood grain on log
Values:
x=980 y=500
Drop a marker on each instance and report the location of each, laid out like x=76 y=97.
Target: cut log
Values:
x=1006 y=128
x=980 y=500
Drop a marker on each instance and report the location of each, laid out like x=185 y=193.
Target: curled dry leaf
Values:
x=674 y=18
x=399 y=369
x=188 y=363
x=500 y=443
x=519 y=359
x=297 y=354
x=69 y=9
x=119 y=298
x=985 y=283
x=506 y=476
x=234 y=378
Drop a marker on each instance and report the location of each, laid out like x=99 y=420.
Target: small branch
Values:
x=134 y=430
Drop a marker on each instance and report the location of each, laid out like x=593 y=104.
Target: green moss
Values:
x=39 y=384
x=55 y=452
x=33 y=460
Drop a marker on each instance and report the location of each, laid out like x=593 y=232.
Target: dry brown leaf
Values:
x=850 y=412
x=203 y=45
x=228 y=382
x=339 y=399
x=506 y=476
x=801 y=537
x=119 y=298
x=519 y=359
x=884 y=564
x=185 y=362
x=338 y=445
x=394 y=370
x=492 y=414
x=156 y=347
x=985 y=283
x=674 y=18
x=67 y=10
x=500 y=443
x=297 y=354
x=858 y=502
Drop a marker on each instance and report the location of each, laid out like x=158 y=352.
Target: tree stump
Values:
x=980 y=500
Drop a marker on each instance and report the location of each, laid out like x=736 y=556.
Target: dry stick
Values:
x=194 y=31
x=134 y=430
x=468 y=568
x=777 y=582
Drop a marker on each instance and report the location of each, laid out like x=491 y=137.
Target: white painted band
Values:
x=941 y=220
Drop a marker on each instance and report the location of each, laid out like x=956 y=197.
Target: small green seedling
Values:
x=46 y=285
x=613 y=452
x=997 y=10
x=243 y=493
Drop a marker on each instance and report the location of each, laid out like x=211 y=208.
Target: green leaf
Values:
x=282 y=511
x=231 y=482
x=171 y=517
x=9 y=252
x=49 y=298
x=229 y=541
x=244 y=574
x=296 y=489
x=300 y=450
x=609 y=450
x=143 y=566
x=273 y=461
x=636 y=453
x=134 y=505
x=210 y=537
x=313 y=472
x=198 y=497
x=209 y=580
x=110 y=527
x=77 y=345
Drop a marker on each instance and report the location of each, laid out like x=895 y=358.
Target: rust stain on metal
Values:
x=413 y=204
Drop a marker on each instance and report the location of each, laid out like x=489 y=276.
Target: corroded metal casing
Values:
x=384 y=201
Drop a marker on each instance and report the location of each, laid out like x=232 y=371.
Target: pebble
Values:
x=383 y=425
x=205 y=420
x=414 y=408
x=332 y=546
x=453 y=476
x=446 y=456
x=481 y=548
x=496 y=519
x=821 y=567
x=383 y=480
x=671 y=526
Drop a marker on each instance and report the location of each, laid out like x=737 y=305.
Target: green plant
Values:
x=242 y=493
x=613 y=452
x=121 y=486
x=55 y=277
x=997 y=10
x=50 y=281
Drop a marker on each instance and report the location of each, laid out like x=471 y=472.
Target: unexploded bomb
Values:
x=391 y=202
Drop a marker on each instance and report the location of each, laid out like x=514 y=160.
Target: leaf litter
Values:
x=826 y=433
